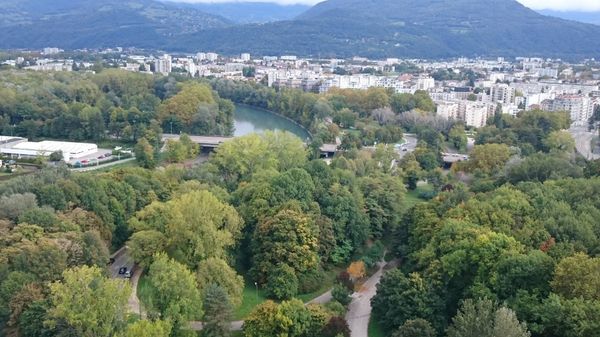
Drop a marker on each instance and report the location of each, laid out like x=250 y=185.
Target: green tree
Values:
x=145 y=244
x=560 y=142
x=176 y=296
x=175 y=151
x=481 y=318
x=144 y=154
x=89 y=302
x=578 y=276
x=147 y=329
x=289 y=237
x=215 y=271
x=487 y=158
x=218 y=312
x=415 y=328
x=341 y=294
x=196 y=225
x=282 y=283
x=458 y=137
x=401 y=298
x=290 y=318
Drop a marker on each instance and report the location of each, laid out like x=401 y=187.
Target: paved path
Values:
x=359 y=311
x=101 y=166
x=583 y=142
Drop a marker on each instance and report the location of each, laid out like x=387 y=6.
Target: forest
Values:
x=505 y=243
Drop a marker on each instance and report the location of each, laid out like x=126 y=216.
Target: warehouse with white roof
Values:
x=17 y=147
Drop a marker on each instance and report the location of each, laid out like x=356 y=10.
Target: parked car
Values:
x=122 y=270
x=111 y=261
x=128 y=274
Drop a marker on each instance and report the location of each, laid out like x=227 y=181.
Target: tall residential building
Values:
x=245 y=57
x=579 y=107
x=425 y=83
x=163 y=64
x=473 y=114
x=502 y=93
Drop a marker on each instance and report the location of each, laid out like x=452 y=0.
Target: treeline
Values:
x=373 y=113
x=507 y=245
x=112 y=104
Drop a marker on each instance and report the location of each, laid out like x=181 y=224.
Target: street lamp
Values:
x=256 y=285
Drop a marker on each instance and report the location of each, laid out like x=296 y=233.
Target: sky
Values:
x=561 y=5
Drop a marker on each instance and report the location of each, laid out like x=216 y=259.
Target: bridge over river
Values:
x=211 y=142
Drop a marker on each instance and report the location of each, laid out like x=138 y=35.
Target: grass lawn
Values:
x=145 y=291
x=413 y=197
x=375 y=329
x=250 y=299
x=131 y=163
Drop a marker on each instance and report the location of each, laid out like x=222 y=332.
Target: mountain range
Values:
x=340 y=28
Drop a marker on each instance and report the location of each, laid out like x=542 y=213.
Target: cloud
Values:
x=561 y=5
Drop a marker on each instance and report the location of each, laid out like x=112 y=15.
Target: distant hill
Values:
x=411 y=28
x=586 y=17
x=98 y=23
x=340 y=28
x=249 y=12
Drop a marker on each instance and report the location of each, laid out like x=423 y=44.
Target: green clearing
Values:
x=250 y=299
x=414 y=197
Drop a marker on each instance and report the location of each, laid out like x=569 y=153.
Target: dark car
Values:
x=122 y=270
x=111 y=261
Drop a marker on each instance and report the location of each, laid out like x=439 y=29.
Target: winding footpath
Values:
x=359 y=311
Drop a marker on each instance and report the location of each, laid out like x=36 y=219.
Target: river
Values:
x=252 y=120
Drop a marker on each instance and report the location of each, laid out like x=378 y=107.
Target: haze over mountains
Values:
x=341 y=28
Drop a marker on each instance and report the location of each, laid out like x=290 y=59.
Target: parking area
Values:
x=95 y=158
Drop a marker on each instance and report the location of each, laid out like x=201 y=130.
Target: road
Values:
x=359 y=311
x=101 y=166
x=583 y=141
x=410 y=144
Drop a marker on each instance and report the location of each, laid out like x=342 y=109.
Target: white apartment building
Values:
x=473 y=114
x=163 y=64
x=579 y=107
x=502 y=93
x=245 y=57
x=425 y=83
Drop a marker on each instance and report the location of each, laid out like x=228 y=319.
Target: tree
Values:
x=336 y=327
x=12 y=206
x=196 y=226
x=218 y=312
x=402 y=297
x=415 y=328
x=89 y=302
x=175 y=151
x=481 y=319
x=145 y=244
x=144 y=153
x=56 y=156
x=282 y=283
x=487 y=158
x=145 y=328
x=356 y=270
x=215 y=271
x=341 y=294
x=176 y=296
x=578 y=276
x=289 y=237
x=458 y=137
x=559 y=142
x=290 y=318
